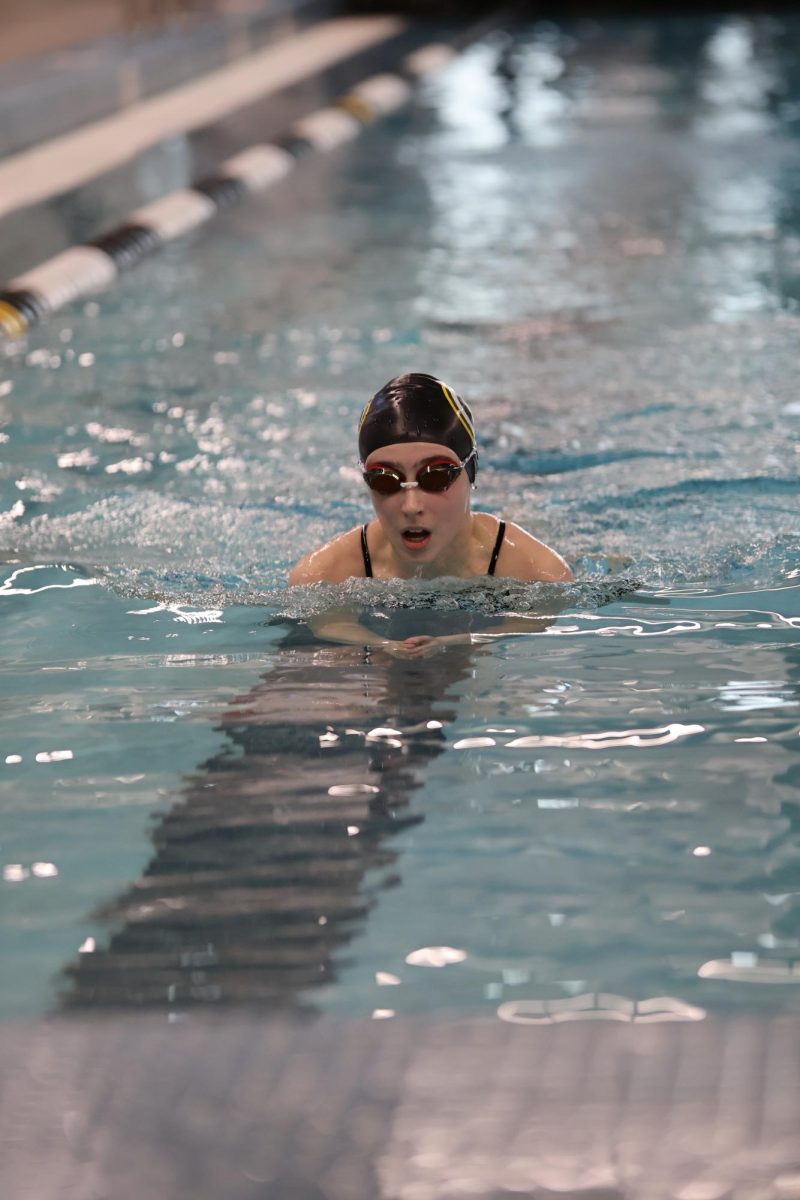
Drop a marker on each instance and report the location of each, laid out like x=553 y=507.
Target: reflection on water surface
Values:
x=270 y=864
x=601 y=250
x=367 y=817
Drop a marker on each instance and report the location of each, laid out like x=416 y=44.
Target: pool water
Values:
x=593 y=232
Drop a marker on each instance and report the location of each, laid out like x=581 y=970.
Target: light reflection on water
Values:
x=600 y=250
x=356 y=802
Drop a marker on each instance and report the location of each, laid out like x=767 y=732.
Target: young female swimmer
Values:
x=418 y=455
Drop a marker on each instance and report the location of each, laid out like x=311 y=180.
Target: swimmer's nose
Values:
x=412 y=500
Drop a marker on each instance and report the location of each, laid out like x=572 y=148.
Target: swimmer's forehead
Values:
x=411 y=454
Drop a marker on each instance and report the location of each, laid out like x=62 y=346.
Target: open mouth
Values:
x=416 y=537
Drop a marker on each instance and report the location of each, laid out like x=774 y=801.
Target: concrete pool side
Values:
x=39 y=231
x=245 y=1106
x=67 y=162
x=84 y=269
x=106 y=68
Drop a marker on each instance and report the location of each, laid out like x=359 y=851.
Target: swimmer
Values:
x=419 y=459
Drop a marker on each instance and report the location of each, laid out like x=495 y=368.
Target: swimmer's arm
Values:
x=330 y=564
x=338 y=560
x=524 y=557
x=333 y=563
x=339 y=626
x=509 y=627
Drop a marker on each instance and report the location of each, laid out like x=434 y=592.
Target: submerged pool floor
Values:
x=592 y=232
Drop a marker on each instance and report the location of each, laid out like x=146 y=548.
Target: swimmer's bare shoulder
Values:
x=524 y=557
x=337 y=560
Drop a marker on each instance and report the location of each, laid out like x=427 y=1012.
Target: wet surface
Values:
x=408 y=1109
x=533 y=901
x=268 y=868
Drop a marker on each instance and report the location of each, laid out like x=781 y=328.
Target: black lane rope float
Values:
x=85 y=269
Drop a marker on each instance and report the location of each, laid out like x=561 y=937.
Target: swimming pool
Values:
x=600 y=251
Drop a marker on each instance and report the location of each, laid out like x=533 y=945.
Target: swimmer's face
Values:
x=420 y=525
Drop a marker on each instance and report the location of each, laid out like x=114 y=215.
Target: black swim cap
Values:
x=418 y=408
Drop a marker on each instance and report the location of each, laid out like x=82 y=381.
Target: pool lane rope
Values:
x=84 y=270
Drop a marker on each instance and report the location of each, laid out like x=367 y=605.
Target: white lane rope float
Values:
x=84 y=270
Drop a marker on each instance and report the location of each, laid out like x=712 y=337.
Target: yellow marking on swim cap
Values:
x=364 y=412
x=12 y=321
x=461 y=415
x=356 y=107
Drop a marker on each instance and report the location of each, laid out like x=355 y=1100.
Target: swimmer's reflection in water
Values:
x=419 y=458
x=267 y=866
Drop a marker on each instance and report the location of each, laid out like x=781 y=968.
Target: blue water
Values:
x=593 y=233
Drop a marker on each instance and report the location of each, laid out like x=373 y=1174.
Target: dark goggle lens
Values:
x=438 y=477
x=385 y=483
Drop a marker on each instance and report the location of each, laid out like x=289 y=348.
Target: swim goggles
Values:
x=434 y=477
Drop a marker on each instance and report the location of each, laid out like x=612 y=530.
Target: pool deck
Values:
x=64 y=188
x=403 y=1109
x=282 y=62
x=65 y=65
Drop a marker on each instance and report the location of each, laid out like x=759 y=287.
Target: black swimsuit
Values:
x=501 y=533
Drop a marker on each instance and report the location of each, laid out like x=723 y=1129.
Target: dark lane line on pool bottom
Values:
x=258 y=877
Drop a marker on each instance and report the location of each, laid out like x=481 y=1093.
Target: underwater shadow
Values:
x=267 y=867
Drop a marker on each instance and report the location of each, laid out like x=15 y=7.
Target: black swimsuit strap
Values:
x=501 y=533
x=365 y=553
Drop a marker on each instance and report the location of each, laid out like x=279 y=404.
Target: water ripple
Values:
x=10 y=587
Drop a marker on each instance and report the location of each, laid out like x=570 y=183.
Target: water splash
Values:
x=489 y=597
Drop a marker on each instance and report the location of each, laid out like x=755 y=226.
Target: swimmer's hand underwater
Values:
x=339 y=626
